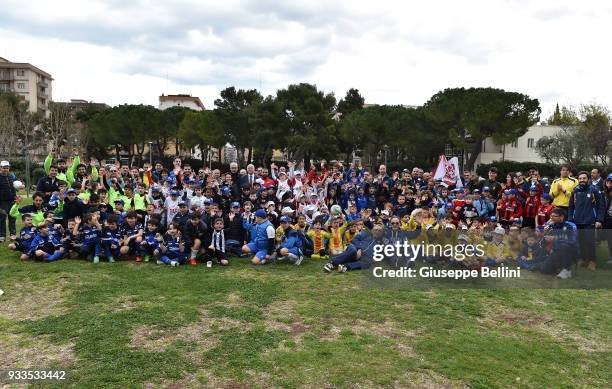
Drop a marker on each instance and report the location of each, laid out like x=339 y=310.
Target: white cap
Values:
x=499 y=230
x=4 y=163
x=287 y=210
x=385 y=212
x=270 y=203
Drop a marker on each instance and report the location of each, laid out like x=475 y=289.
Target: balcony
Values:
x=44 y=94
x=6 y=76
x=42 y=83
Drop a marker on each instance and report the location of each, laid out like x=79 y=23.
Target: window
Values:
x=530 y=143
x=21 y=85
x=514 y=144
x=20 y=72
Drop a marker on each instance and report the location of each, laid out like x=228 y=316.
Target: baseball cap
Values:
x=71 y=191
x=476 y=191
x=182 y=203
x=499 y=230
x=285 y=219
x=4 y=163
x=235 y=204
x=287 y=210
x=609 y=176
x=533 y=188
x=260 y=213
x=120 y=201
x=513 y=191
x=486 y=189
x=459 y=190
x=270 y=203
x=507 y=192
x=385 y=212
x=174 y=193
x=155 y=188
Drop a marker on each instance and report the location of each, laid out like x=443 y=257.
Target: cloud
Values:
x=394 y=52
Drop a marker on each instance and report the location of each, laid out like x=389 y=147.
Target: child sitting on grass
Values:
x=319 y=239
x=109 y=239
x=89 y=236
x=26 y=236
x=149 y=240
x=171 y=249
x=45 y=247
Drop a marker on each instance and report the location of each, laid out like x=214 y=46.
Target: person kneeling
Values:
x=171 y=250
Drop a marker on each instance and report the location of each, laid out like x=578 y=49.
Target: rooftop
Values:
x=6 y=64
x=183 y=97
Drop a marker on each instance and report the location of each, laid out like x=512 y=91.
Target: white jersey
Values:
x=172 y=208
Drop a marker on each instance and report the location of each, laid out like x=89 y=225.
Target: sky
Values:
x=394 y=52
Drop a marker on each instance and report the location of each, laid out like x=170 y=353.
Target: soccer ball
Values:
x=335 y=209
x=18 y=185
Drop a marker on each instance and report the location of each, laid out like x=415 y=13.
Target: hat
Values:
x=4 y=163
x=310 y=208
x=547 y=196
x=449 y=206
x=174 y=193
x=287 y=210
x=486 y=189
x=459 y=190
x=513 y=191
x=226 y=191
x=208 y=201
x=476 y=191
x=499 y=230
x=182 y=203
x=285 y=219
x=270 y=203
x=120 y=201
x=609 y=175
x=507 y=192
x=533 y=188
x=235 y=204
x=405 y=171
x=71 y=191
x=155 y=188
x=385 y=212
x=260 y=213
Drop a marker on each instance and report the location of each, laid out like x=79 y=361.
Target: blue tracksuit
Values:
x=48 y=244
x=109 y=243
x=149 y=244
x=89 y=237
x=586 y=205
x=173 y=251
x=127 y=231
x=291 y=241
x=26 y=236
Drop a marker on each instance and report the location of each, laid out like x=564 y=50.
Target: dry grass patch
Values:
x=205 y=379
x=32 y=301
x=20 y=351
x=544 y=324
x=427 y=380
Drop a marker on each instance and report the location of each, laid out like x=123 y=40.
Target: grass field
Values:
x=128 y=325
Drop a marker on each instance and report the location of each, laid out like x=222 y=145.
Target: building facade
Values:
x=181 y=100
x=521 y=150
x=29 y=82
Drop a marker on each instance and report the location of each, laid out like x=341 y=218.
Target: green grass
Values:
x=127 y=325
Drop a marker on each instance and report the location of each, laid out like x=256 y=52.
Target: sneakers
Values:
x=208 y=263
x=159 y=262
x=299 y=260
x=96 y=259
x=174 y=263
x=328 y=267
x=2 y=239
x=147 y=258
x=564 y=274
x=111 y=260
x=138 y=258
x=342 y=268
x=192 y=262
x=592 y=265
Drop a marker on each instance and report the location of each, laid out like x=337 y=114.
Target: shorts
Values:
x=261 y=254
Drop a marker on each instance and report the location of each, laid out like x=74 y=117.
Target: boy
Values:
x=217 y=246
x=131 y=232
x=544 y=211
x=194 y=233
x=70 y=241
x=319 y=239
x=290 y=244
x=149 y=241
x=109 y=239
x=26 y=236
x=171 y=249
x=45 y=247
x=89 y=236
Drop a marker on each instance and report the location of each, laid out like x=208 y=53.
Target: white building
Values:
x=521 y=150
x=180 y=100
x=28 y=81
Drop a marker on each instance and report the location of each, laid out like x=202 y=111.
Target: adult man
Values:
x=562 y=188
x=491 y=183
x=262 y=239
x=48 y=184
x=562 y=235
x=250 y=177
x=596 y=179
x=586 y=210
x=7 y=197
x=359 y=253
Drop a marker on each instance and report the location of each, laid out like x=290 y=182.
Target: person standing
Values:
x=562 y=188
x=492 y=184
x=7 y=198
x=586 y=211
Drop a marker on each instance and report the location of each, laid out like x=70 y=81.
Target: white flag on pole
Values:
x=447 y=171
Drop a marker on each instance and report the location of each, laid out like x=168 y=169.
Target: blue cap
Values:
x=513 y=191
x=459 y=190
x=609 y=176
x=486 y=189
x=198 y=183
x=71 y=191
x=235 y=204
x=533 y=188
x=449 y=206
x=476 y=191
x=226 y=190
x=285 y=219
x=181 y=203
x=260 y=213
x=507 y=192
x=208 y=201
x=493 y=218
x=155 y=188
x=120 y=201
x=547 y=196
x=174 y=193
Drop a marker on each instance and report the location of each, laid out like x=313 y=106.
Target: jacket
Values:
x=586 y=205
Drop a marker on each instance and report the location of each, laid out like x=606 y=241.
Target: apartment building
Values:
x=28 y=81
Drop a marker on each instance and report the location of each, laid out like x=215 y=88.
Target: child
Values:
x=89 y=236
x=531 y=207
x=290 y=245
x=109 y=239
x=193 y=235
x=70 y=241
x=171 y=205
x=26 y=236
x=149 y=243
x=544 y=210
x=336 y=232
x=319 y=239
x=45 y=247
x=531 y=253
x=171 y=249
x=217 y=246
x=131 y=232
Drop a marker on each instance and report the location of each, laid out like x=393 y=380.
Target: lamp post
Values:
x=386 y=148
x=150 y=153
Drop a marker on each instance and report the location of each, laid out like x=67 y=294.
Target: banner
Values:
x=447 y=171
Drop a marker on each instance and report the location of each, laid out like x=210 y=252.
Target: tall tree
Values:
x=202 y=129
x=472 y=115
x=59 y=124
x=353 y=101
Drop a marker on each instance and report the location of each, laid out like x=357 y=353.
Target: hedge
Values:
x=545 y=169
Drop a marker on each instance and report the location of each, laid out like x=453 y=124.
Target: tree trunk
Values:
x=476 y=149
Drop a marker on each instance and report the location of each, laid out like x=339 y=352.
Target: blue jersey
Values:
x=110 y=236
x=46 y=243
x=26 y=236
x=89 y=234
x=172 y=244
x=127 y=231
x=55 y=232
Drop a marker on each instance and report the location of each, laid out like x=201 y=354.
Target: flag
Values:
x=447 y=171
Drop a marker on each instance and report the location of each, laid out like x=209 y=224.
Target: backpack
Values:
x=307 y=243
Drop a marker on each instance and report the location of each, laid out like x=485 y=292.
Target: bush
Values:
x=545 y=169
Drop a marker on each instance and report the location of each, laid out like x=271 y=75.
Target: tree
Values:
x=268 y=130
x=236 y=110
x=202 y=129
x=472 y=115
x=59 y=124
x=307 y=121
x=353 y=101
x=596 y=128
x=566 y=146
